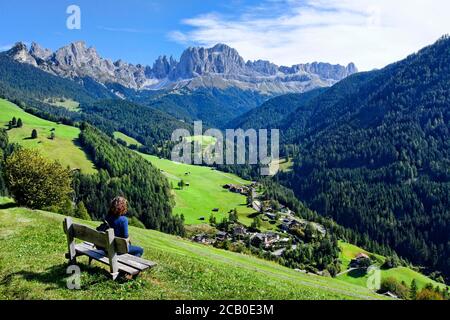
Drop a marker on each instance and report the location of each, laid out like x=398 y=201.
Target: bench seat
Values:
x=116 y=257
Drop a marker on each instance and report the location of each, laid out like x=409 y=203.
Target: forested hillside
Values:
x=375 y=155
x=271 y=113
x=214 y=107
x=124 y=172
x=151 y=127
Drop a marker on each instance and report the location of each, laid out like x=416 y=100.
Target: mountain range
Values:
x=218 y=67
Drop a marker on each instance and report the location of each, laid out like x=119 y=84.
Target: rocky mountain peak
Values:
x=263 y=67
x=19 y=52
x=163 y=66
x=351 y=68
x=220 y=59
x=18 y=47
x=39 y=52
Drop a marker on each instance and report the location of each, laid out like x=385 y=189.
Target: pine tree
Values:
x=14 y=121
x=81 y=212
x=34 y=134
x=19 y=123
x=233 y=216
x=413 y=290
x=67 y=208
x=212 y=220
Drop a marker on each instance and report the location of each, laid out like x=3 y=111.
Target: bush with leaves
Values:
x=35 y=181
x=429 y=294
x=390 y=284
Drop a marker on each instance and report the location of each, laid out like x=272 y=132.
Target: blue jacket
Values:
x=119 y=224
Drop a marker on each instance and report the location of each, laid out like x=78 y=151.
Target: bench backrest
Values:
x=100 y=239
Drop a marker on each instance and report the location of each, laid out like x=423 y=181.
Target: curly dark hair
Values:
x=118 y=207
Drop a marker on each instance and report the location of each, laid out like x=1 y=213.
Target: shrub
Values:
x=36 y=182
x=392 y=285
x=427 y=294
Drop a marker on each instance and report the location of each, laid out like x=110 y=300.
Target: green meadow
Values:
x=204 y=193
x=32 y=266
x=63 y=148
x=69 y=104
x=129 y=140
x=358 y=277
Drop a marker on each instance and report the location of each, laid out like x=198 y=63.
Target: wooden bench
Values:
x=115 y=254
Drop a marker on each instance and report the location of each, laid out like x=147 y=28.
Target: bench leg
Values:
x=90 y=261
x=72 y=261
x=115 y=276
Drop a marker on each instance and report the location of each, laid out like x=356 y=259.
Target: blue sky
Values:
x=134 y=30
x=371 y=33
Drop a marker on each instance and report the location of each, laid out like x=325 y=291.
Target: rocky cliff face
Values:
x=220 y=66
x=197 y=62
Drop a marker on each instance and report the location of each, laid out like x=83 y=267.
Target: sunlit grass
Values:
x=63 y=147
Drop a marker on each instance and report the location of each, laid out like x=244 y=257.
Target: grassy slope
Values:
x=206 y=141
x=205 y=192
x=69 y=104
x=129 y=140
x=32 y=266
x=63 y=148
x=348 y=252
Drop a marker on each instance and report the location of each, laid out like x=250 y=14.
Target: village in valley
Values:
x=285 y=232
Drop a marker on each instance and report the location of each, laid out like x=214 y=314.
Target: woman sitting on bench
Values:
x=117 y=220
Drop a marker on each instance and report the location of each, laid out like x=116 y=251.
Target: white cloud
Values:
x=371 y=33
x=5 y=47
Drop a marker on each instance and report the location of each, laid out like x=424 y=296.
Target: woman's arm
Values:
x=125 y=228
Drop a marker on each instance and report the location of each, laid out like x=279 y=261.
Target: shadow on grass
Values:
x=79 y=145
x=253 y=215
x=57 y=276
x=357 y=273
x=9 y=205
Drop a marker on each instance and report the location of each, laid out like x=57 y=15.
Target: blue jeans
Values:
x=136 y=251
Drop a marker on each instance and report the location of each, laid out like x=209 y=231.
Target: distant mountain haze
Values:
x=218 y=67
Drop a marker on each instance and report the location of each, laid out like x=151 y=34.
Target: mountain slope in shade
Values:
x=272 y=113
x=217 y=67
